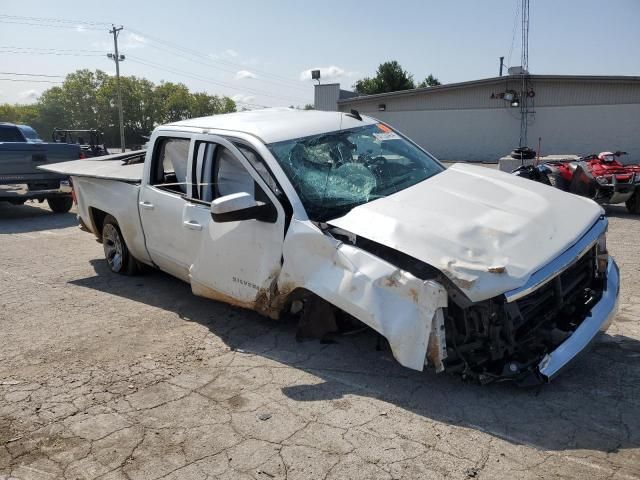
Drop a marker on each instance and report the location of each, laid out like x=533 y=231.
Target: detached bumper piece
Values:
x=599 y=319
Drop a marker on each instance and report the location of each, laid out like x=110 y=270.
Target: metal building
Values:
x=325 y=96
x=480 y=120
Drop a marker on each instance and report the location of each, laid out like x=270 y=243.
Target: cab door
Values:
x=235 y=260
x=162 y=202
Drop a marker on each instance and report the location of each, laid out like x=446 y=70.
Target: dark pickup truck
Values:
x=22 y=151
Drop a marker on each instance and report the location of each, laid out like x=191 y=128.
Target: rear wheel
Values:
x=116 y=252
x=633 y=203
x=60 y=204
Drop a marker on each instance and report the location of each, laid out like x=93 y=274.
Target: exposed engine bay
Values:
x=496 y=340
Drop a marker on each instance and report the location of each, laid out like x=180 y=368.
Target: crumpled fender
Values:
x=393 y=302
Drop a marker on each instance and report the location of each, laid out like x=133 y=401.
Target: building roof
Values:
x=492 y=80
x=277 y=124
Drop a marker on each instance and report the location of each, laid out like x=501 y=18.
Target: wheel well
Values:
x=97 y=219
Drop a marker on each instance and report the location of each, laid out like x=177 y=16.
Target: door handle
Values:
x=146 y=205
x=192 y=225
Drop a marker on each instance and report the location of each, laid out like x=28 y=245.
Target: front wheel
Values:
x=60 y=204
x=116 y=252
x=633 y=203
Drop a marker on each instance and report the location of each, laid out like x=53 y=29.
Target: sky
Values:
x=261 y=52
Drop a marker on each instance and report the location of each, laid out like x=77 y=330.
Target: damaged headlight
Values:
x=602 y=255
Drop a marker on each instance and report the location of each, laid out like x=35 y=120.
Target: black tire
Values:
x=524 y=153
x=115 y=248
x=633 y=203
x=60 y=204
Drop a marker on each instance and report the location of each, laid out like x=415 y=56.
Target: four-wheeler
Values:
x=600 y=177
x=91 y=141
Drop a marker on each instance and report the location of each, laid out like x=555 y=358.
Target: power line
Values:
x=208 y=80
x=32 y=74
x=54 y=20
x=22 y=52
x=92 y=25
x=75 y=27
x=206 y=64
x=52 y=49
x=26 y=80
x=198 y=54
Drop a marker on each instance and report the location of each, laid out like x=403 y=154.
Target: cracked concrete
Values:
x=110 y=377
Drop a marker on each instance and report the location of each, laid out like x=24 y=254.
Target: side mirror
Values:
x=242 y=206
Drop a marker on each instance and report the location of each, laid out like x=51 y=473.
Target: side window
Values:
x=256 y=162
x=203 y=171
x=169 y=170
x=217 y=173
x=230 y=176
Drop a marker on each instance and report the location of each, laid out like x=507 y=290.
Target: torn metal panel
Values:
x=393 y=302
x=487 y=231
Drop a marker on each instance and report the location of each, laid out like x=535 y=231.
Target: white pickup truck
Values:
x=336 y=218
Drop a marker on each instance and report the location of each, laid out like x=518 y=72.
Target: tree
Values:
x=390 y=77
x=88 y=99
x=429 y=81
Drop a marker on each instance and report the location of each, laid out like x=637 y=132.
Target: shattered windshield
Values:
x=337 y=171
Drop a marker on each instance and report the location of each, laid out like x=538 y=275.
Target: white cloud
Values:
x=231 y=53
x=31 y=95
x=134 y=40
x=239 y=97
x=327 y=73
x=80 y=28
x=244 y=74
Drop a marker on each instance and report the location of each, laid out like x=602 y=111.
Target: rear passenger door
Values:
x=162 y=202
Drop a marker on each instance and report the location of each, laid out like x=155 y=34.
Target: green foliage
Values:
x=429 y=81
x=390 y=77
x=89 y=99
x=21 y=114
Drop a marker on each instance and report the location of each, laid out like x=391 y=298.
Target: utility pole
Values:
x=116 y=57
x=524 y=76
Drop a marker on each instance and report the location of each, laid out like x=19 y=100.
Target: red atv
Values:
x=600 y=177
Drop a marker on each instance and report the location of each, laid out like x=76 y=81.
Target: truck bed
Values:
x=110 y=167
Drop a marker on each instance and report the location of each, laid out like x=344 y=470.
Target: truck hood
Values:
x=486 y=230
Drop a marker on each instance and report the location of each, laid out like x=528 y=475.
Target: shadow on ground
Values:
x=619 y=211
x=593 y=406
x=32 y=218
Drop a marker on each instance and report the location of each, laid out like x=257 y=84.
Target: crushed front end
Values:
x=529 y=334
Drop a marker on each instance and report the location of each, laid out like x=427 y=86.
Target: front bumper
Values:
x=598 y=320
